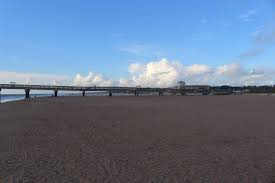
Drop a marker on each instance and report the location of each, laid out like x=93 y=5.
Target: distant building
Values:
x=181 y=85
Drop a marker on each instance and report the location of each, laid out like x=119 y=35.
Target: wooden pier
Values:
x=133 y=90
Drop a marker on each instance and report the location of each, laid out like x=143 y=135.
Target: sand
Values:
x=138 y=139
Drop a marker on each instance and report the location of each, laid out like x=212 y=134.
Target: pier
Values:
x=131 y=90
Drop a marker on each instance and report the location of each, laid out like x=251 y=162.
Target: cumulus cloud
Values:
x=165 y=73
x=230 y=70
x=125 y=82
x=92 y=80
x=198 y=69
x=136 y=68
x=161 y=73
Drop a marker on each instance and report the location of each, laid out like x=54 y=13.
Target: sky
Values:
x=129 y=43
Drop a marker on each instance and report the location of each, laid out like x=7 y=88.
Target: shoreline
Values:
x=21 y=97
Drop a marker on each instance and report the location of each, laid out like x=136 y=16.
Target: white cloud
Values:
x=165 y=73
x=230 y=70
x=248 y=16
x=135 y=68
x=33 y=78
x=124 y=82
x=236 y=74
x=157 y=73
x=92 y=79
x=198 y=69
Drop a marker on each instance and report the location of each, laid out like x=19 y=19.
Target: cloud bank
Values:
x=165 y=73
x=159 y=73
x=33 y=78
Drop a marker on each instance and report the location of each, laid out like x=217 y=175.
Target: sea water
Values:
x=15 y=97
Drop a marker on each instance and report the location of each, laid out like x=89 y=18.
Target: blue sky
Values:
x=77 y=37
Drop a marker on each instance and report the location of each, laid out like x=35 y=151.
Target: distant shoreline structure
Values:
x=181 y=88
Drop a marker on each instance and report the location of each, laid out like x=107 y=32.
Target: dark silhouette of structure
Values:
x=134 y=90
x=182 y=90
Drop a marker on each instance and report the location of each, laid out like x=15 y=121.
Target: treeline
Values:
x=242 y=89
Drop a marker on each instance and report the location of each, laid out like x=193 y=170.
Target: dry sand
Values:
x=138 y=139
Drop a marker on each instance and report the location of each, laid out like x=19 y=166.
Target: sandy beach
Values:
x=138 y=139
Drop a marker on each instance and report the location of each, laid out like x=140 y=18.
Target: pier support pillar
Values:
x=182 y=92
x=160 y=93
x=136 y=93
x=83 y=93
x=110 y=94
x=55 y=93
x=27 y=93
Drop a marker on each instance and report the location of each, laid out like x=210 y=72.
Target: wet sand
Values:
x=138 y=139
